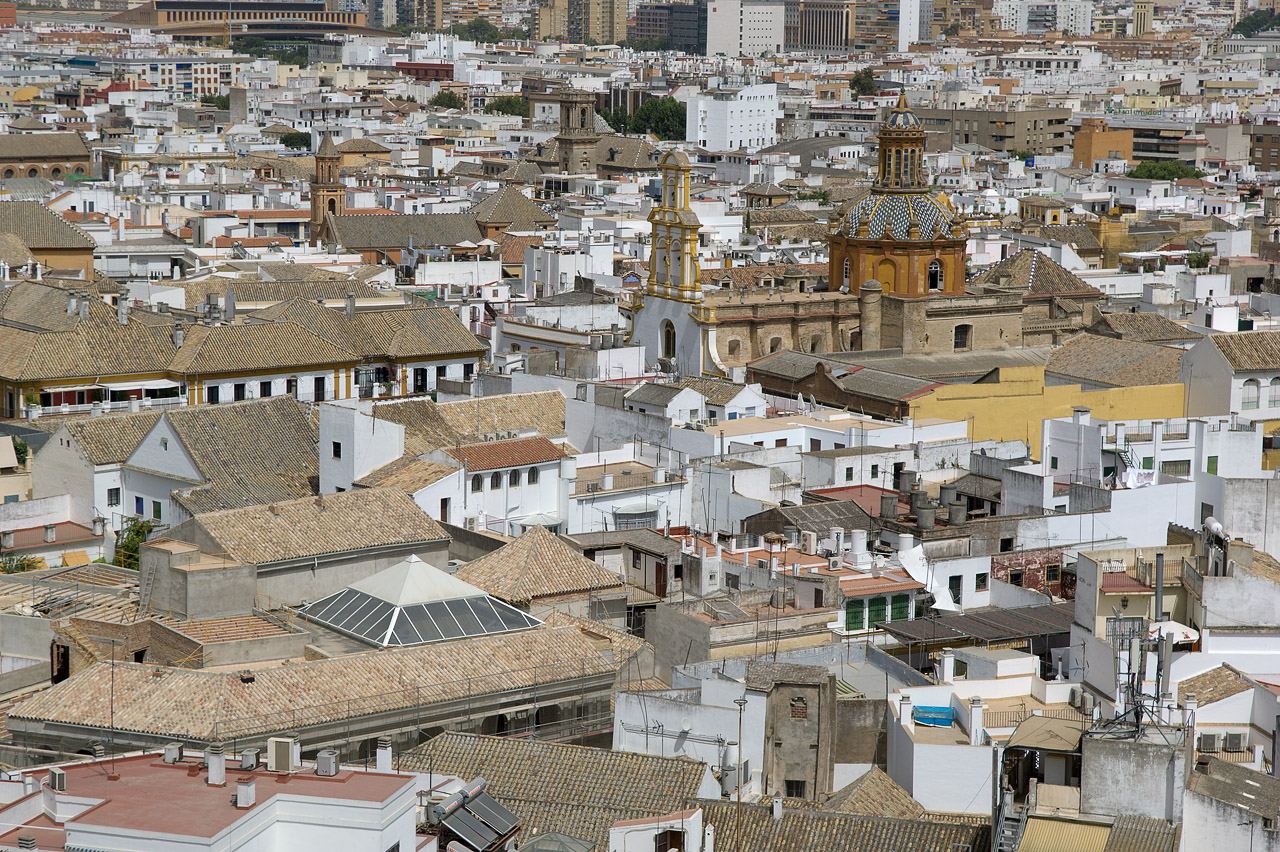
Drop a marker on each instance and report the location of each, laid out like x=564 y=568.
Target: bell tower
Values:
x=328 y=194
x=576 y=141
x=673 y=263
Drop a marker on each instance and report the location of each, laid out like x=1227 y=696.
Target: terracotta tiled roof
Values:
x=96 y=348
x=36 y=225
x=112 y=438
x=430 y=425
x=874 y=794
x=1215 y=684
x=517 y=452
x=42 y=145
x=511 y=248
x=536 y=565
x=199 y=705
x=1116 y=362
x=305 y=286
x=397 y=231
x=255 y=346
x=408 y=474
x=1250 y=351
x=576 y=790
x=295 y=529
x=1145 y=326
x=1034 y=274
x=715 y=391
x=511 y=208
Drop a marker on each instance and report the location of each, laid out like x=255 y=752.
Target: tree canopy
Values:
x=1164 y=170
x=864 y=83
x=299 y=141
x=1254 y=22
x=216 y=101
x=508 y=105
x=478 y=30
x=663 y=117
x=447 y=99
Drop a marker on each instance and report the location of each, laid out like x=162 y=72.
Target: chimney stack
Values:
x=777 y=806
x=84 y=302
x=889 y=506
x=977 y=732
x=230 y=305
x=957 y=513
x=71 y=302
x=216 y=757
x=925 y=517
x=50 y=532
x=246 y=791
x=351 y=305
x=383 y=763
x=178 y=334
x=948 y=673
x=904 y=713
x=122 y=310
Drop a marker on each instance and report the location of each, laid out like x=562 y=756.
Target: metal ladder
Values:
x=146 y=580
x=1009 y=828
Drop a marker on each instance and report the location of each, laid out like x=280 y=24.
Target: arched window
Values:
x=775 y=343
x=333 y=205
x=533 y=475
x=844 y=278
x=513 y=478
x=815 y=343
x=735 y=346
x=477 y=483
x=935 y=275
x=963 y=333
x=33 y=173
x=55 y=172
x=8 y=173
x=1250 y=393
x=668 y=339
x=79 y=170
x=1273 y=399
x=495 y=480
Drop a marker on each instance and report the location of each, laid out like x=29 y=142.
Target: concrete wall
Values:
x=677 y=638
x=1209 y=825
x=1127 y=777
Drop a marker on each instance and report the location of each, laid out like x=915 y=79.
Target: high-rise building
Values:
x=598 y=21
x=734 y=119
x=1142 y=17
x=820 y=26
x=744 y=27
x=688 y=31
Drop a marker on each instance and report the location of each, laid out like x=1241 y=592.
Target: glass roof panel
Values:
x=489 y=619
x=423 y=624
x=447 y=623
x=466 y=618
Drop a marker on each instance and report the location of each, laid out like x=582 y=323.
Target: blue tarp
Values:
x=940 y=717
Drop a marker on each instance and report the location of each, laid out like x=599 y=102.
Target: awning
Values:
x=72 y=558
x=1054 y=835
x=918 y=569
x=1047 y=734
x=1181 y=633
x=154 y=384
x=637 y=507
x=539 y=519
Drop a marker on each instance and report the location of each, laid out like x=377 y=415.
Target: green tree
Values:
x=647 y=45
x=663 y=117
x=13 y=563
x=864 y=83
x=20 y=450
x=1254 y=22
x=1164 y=170
x=478 y=30
x=298 y=141
x=616 y=118
x=135 y=532
x=508 y=105
x=951 y=30
x=1198 y=259
x=1023 y=154
x=447 y=99
x=216 y=101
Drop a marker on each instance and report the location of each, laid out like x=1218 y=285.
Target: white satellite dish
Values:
x=686 y=724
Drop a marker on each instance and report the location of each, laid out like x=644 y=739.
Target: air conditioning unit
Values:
x=808 y=541
x=249 y=759
x=173 y=752
x=593 y=487
x=280 y=754
x=57 y=780
x=327 y=763
x=712 y=420
x=1208 y=743
x=835 y=563
x=1233 y=742
x=1074 y=697
x=471 y=524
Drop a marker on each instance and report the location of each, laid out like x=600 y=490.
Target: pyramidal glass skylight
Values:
x=413 y=603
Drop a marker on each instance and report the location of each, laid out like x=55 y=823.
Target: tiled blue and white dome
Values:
x=891 y=215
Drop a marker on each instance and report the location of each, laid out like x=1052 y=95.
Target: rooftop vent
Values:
x=172 y=752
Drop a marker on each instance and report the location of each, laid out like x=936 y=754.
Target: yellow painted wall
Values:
x=1014 y=408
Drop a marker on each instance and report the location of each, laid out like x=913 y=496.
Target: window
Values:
x=513 y=479
x=962 y=335
x=876 y=610
x=875 y=471
x=799 y=708
x=495 y=480
x=1053 y=462
x=1211 y=465
x=211 y=394
x=264 y=389
x=1052 y=573
x=1147 y=462
x=848 y=474
x=337 y=449
x=239 y=391
x=901 y=608
x=1176 y=468
x=955 y=585
x=155 y=509
x=1006 y=545
x=533 y=475
x=477 y=483
x=935 y=275
x=795 y=789
x=1016 y=577
x=1249 y=394
x=1273 y=396
x=980 y=582
x=818 y=599
x=139 y=506
x=668 y=339
x=853 y=612
x=671 y=840
x=318 y=384
x=113 y=496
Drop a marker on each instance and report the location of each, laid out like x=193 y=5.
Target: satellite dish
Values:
x=686 y=724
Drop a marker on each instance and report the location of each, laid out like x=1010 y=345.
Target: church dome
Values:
x=902 y=117
x=905 y=217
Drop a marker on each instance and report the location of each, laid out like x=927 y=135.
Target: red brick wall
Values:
x=1033 y=564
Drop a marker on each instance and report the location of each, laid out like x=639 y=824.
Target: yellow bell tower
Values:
x=673 y=260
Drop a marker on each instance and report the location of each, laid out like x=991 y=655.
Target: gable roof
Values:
x=1146 y=326
x=111 y=439
x=1034 y=274
x=714 y=391
x=255 y=346
x=1250 y=350
x=36 y=225
x=1116 y=362
x=536 y=565
x=517 y=452
x=398 y=230
x=430 y=425
x=1216 y=684
x=874 y=794
x=296 y=529
x=251 y=452
x=577 y=790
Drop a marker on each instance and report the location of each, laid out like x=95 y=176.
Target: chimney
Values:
x=606 y=482
x=957 y=513
x=26 y=841
x=904 y=714
x=919 y=498
x=84 y=303
x=384 y=755
x=39 y=271
x=246 y=791
x=777 y=806
x=351 y=305
x=889 y=506
x=977 y=733
x=1189 y=705
x=178 y=334
x=925 y=517
x=216 y=757
x=948 y=673
x=99 y=525
x=71 y=302
x=947 y=494
x=50 y=532
x=122 y=310
x=230 y=305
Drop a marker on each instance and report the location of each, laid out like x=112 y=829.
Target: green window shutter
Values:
x=901 y=607
x=877 y=607
x=1212 y=466
x=1147 y=462
x=853 y=614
